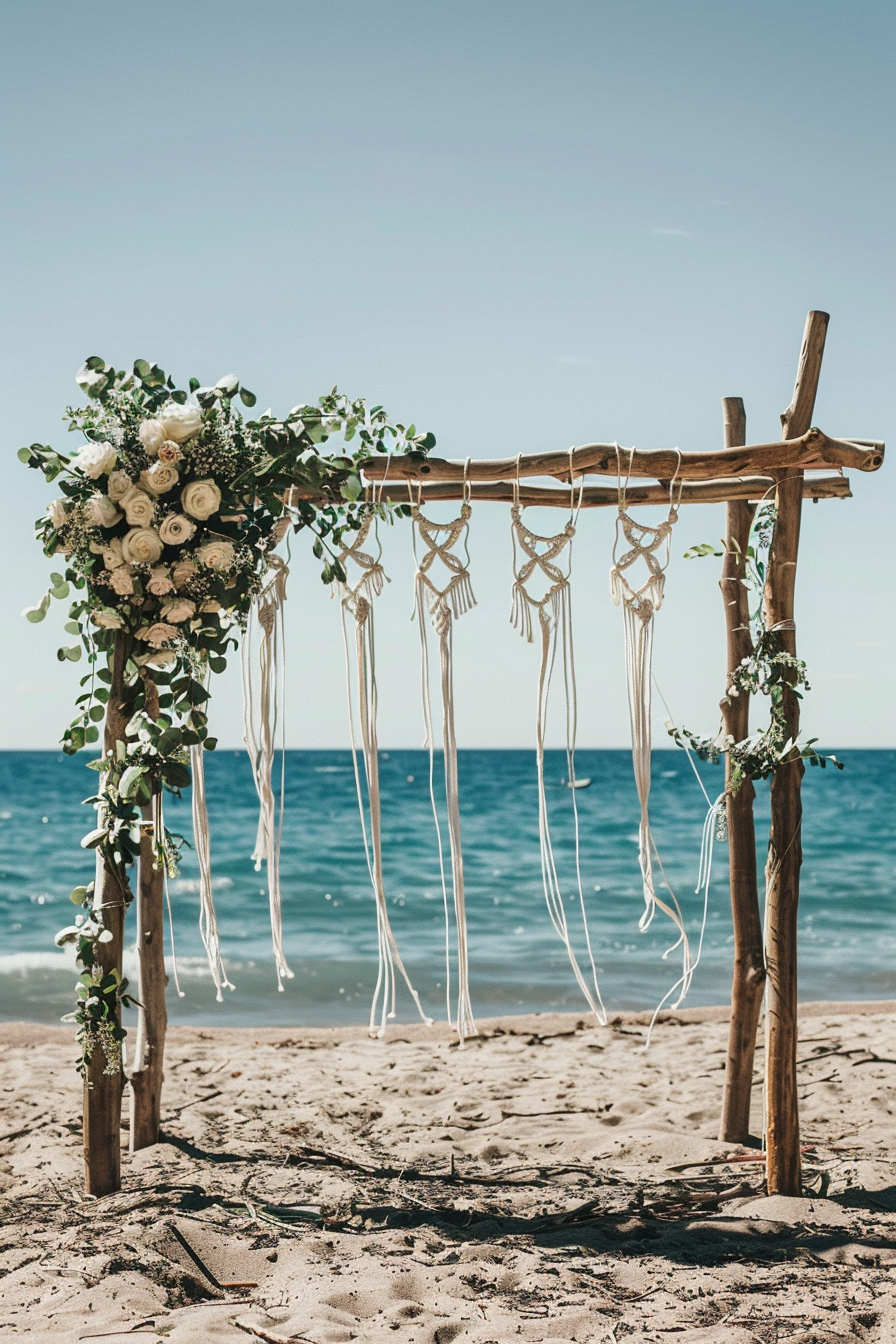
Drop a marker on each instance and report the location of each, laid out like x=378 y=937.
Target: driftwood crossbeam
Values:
x=765 y=953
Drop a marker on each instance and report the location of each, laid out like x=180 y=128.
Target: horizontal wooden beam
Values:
x=812 y=451
x=600 y=496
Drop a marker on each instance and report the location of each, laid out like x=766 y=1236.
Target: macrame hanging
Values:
x=444 y=605
x=651 y=546
x=263 y=718
x=536 y=557
x=208 y=923
x=356 y=601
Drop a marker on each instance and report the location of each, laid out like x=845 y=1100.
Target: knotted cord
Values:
x=357 y=601
x=208 y=922
x=554 y=613
x=444 y=606
x=639 y=605
x=261 y=724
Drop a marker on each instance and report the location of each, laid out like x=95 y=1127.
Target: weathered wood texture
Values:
x=152 y=1017
x=748 y=978
x=785 y=850
x=102 y=1091
x=811 y=450
x=601 y=496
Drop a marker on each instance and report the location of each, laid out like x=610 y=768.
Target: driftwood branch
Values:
x=811 y=450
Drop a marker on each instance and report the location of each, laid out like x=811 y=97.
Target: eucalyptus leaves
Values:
x=767 y=671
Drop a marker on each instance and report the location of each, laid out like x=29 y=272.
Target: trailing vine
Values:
x=168 y=516
x=767 y=671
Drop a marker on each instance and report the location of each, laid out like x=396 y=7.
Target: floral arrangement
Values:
x=167 y=519
x=767 y=670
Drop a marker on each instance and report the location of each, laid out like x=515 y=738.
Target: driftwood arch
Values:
x=765 y=961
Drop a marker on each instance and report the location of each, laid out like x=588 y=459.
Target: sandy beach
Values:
x=549 y=1182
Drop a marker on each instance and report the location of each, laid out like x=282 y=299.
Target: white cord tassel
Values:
x=555 y=622
x=444 y=605
x=358 y=601
x=208 y=923
x=267 y=614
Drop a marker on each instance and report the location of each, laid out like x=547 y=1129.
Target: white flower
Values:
x=107 y=618
x=158 y=634
x=160 y=478
x=216 y=554
x=178 y=610
x=183 y=572
x=121 y=581
x=176 y=530
x=159 y=582
x=200 y=499
x=95 y=459
x=139 y=507
x=57 y=512
x=141 y=546
x=112 y=556
x=101 y=511
x=170 y=451
x=118 y=484
x=180 y=422
x=152 y=436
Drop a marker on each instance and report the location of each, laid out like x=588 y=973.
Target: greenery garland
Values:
x=767 y=670
x=168 y=515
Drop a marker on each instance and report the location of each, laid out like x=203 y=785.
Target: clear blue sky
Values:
x=521 y=225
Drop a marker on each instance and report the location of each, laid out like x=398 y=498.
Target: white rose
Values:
x=200 y=499
x=112 y=556
x=179 y=610
x=152 y=436
x=107 y=618
x=170 y=451
x=216 y=554
x=159 y=582
x=158 y=634
x=118 y=484
x=138 y=506
x=95 y=459
x=57 y=512
x=183 y=572
x=121 y=581
x=176 y=530
x=180 y=422
x=101 y=512
x=160 y=478
x=141 y=546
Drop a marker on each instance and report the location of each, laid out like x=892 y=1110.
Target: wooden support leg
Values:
x=152 y=1015
x=152 y=1021
x=785 y=853
x=748 y=981
x=102 y=1089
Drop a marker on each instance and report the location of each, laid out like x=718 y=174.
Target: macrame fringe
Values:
x=261 y=723
x=208 y=923
x=358 y=601
x=443 y=606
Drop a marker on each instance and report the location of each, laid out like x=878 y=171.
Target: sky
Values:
x=520 y=225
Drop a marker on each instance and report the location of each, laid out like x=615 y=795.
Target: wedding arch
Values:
x=167 y=523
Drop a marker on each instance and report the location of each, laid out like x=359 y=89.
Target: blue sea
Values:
x=847 y=922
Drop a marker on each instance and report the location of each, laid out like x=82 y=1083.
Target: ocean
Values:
x=847 y=922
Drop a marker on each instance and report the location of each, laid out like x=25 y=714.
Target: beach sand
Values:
x=549 y=1182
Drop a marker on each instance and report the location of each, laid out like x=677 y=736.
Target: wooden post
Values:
x=102 y=1091
x=152 y=1021
x=783 y=1172
x=748 y=981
